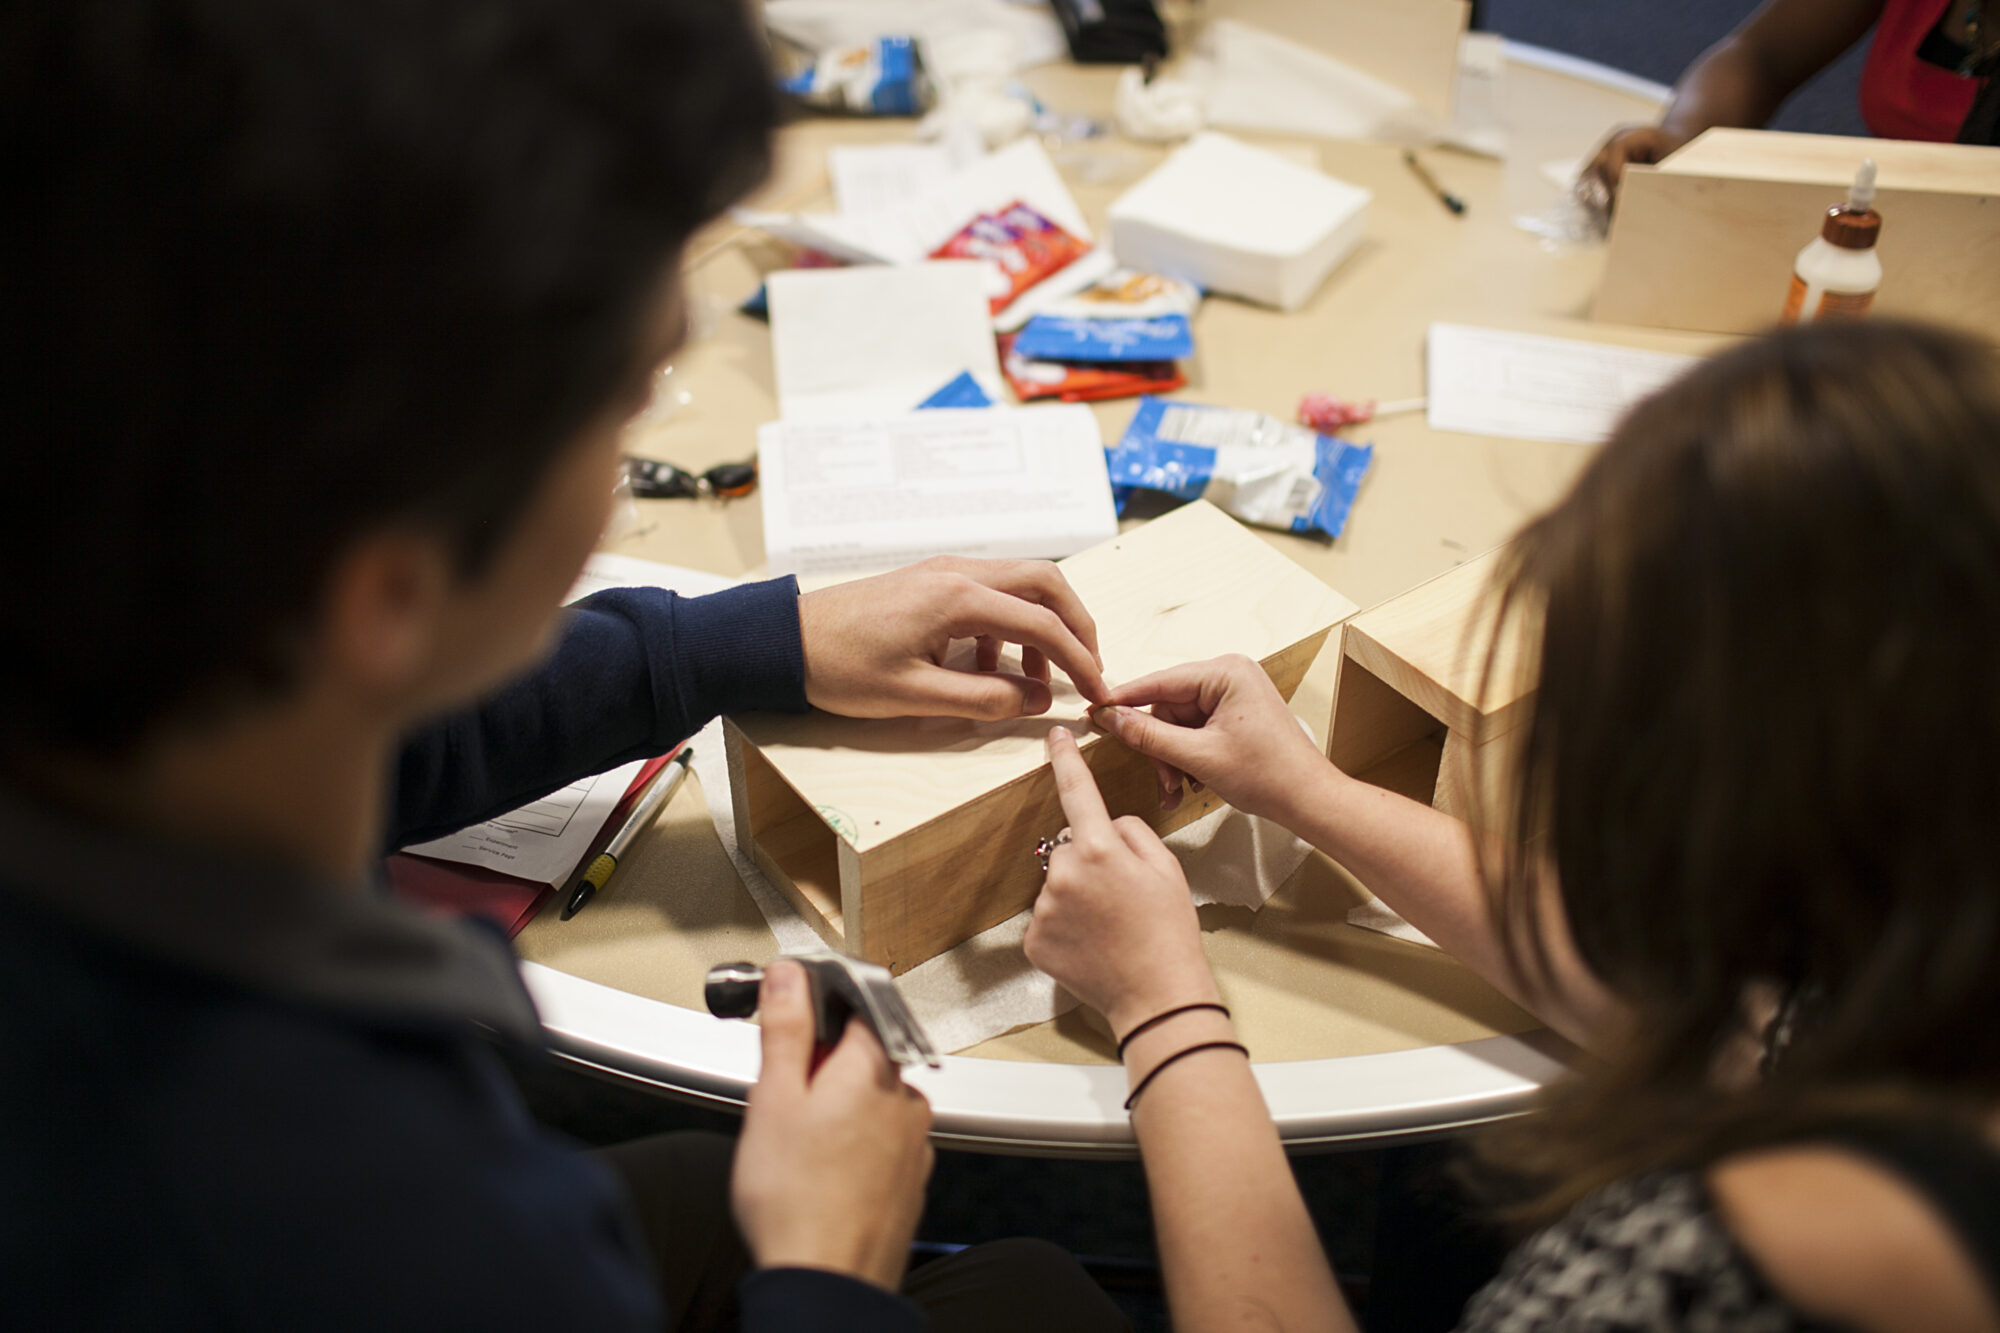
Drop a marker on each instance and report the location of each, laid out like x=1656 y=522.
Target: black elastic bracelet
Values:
x=1158 y=1019
x=1198 y=1046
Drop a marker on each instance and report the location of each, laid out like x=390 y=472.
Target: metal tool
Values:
x=842 y=987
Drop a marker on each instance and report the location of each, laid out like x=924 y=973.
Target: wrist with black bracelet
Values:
x=1149 y=1047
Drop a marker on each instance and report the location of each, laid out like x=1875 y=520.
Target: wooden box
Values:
x=1706 y=239
x=899 y=839
x=1408 y=711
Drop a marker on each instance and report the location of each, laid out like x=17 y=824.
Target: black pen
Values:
x=1445 y=197
x=663 y=789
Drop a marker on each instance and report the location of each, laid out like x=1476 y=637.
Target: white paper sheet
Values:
x=875 y=178
x=1025 y=482
x=852 y=343
x=908 y=232
x=1493 y=382
x=544 y=840
x=918 y=224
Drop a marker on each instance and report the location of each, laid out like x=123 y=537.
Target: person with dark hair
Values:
x=1746 y=866
x=1930 y=74
x=322 y=323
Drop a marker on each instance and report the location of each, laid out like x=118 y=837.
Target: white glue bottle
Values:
x=1835 y=277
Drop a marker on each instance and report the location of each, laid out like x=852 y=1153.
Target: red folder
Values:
x=457 y=889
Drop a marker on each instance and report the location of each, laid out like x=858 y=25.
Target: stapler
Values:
x=841 y=987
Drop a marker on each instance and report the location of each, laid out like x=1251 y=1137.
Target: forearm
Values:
x=1424 y=864
x=1728 y=85
x=1744 y=78
x=1235 y=1241
x=634 y=671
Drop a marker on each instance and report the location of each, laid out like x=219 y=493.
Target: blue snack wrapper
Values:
x=1064 y=338
x=881 y=78
x=1262 y=470
x=962 y=391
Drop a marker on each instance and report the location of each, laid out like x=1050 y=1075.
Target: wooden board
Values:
x=1412 y=44
x=1410 y=709
x=901 y=838
x=1706 y=239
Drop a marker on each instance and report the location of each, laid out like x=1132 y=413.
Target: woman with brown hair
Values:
x=1749 y=869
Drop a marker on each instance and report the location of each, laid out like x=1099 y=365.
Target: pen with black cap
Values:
x=663 y=789
x=1444 y=196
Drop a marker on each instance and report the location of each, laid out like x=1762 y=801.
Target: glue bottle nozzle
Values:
x=1862 y=197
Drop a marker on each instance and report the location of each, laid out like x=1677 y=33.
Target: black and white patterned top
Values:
x=1649 y=1255
x=1640 y=1256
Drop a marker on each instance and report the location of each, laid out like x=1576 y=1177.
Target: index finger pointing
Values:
x=1076 y=788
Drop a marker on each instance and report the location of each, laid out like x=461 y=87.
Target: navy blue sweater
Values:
x=236 y=1096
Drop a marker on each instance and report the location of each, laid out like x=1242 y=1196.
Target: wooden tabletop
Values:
x=1304 y=985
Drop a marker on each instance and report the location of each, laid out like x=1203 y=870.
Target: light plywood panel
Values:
x=1430 y=646
x=934 y=820
x=1414 y=709
x=1706 y=240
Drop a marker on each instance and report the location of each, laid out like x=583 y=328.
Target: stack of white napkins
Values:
x=1239 y=220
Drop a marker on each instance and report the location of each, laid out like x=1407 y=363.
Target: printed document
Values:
x=1492 y=382
x=852 y=496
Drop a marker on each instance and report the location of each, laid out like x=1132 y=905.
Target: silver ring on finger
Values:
x=1047 y=846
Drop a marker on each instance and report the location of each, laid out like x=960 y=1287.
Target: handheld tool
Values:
x=842 y=987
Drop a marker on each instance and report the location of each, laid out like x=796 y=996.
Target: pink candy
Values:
x=1322 y=411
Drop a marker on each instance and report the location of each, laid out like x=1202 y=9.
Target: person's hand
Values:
x=1224 y=726
x=876 y=647
x=831 y=1166
x=1634 y=143
x=1115 y=923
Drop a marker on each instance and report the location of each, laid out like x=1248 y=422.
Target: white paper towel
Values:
x=985 y=986
x=1378 y=915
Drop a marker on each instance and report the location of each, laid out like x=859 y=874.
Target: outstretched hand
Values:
x=1220 y=724
x=1645 y=144
x=831 y=1166
x=876 y=647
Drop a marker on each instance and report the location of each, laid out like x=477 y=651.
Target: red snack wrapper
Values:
x=1024 y=245
x=1085 y=382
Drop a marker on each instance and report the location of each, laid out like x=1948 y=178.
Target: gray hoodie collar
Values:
x=268 y=927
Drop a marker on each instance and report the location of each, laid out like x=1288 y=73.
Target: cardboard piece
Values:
x=1408 y=709
x=1706 y=239
x=1411 y=44
x=898 y=839
x=1231 y=218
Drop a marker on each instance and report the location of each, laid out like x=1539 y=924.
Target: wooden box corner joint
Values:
x=898 y=839
x=1409 y=711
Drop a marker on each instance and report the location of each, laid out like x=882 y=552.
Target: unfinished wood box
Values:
x=1706 y=239
x=1408 y=711
x=898 y=839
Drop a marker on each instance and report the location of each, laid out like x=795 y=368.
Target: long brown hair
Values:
x=1765 y=749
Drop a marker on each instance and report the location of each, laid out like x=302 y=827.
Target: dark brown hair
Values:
x=1762 y=755
x=282 y=273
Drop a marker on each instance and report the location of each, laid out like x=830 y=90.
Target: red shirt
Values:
x=1903 y=97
